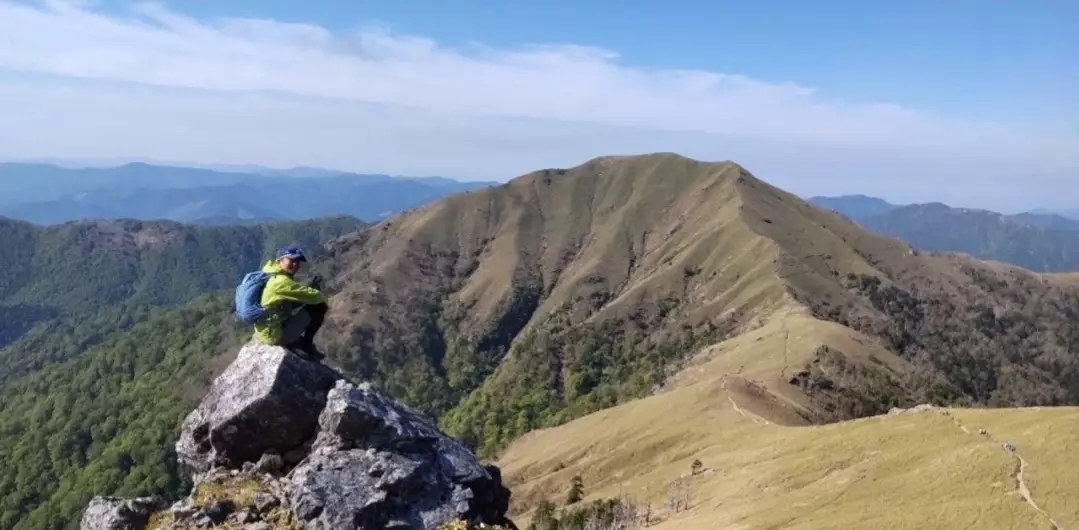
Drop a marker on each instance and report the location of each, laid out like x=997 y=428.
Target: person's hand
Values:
x=316 y=281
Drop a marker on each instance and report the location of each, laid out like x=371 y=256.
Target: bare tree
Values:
x=678 y=495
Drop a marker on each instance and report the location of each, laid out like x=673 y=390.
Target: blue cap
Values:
x=292 y=253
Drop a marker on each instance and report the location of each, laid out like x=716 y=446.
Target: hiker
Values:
x=291 y=313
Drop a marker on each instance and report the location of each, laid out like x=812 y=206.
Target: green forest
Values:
x=105 y=422
x=111 y=334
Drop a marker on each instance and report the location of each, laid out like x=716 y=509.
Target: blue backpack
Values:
x=249 y=297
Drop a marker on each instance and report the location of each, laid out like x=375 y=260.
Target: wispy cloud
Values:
x=476 y=88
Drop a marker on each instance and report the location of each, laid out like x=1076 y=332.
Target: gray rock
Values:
x=268 y=398
x=183 y=509
x=265 y=502
x=377 y=463
x=219 y=511
x=184 y=513
x=358 y=459
x=269 y=463
x=361 y=417
x=111 y=513
x=202 y=520
x=241 y=517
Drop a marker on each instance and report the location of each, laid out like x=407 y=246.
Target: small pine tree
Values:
x=576 y=490
x=696 y=467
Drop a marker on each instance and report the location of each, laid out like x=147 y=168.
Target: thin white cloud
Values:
x=155 y=83
x=158 y=46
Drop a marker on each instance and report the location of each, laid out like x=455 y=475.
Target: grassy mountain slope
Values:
x=868 y=324
x=915 y=471
x=564 y=292
x=976 y=332
x=635 y=261
x=1039 y=242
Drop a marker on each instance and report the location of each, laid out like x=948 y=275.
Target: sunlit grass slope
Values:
x=763 y=470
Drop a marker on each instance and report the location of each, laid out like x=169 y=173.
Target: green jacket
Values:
x=281 y=296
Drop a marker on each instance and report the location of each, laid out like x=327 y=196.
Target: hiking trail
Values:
x=746 y=414
x=1021 y=484
x=786 y=350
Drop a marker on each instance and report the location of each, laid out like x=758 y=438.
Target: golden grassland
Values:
x=909 y=470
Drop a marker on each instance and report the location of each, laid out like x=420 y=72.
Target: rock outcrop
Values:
x=384 y=465
x=268 y=398
x=111 y=513
x=281 y=442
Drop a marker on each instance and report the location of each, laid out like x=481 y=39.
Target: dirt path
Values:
x=1020 y=480
x=755 y=418
x=1024 y=491
x=786 y=350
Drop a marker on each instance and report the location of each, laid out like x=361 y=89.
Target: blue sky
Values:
x=963 y=101
x=970 y=58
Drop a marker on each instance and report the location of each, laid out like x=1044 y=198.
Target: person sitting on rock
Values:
x=294 y=312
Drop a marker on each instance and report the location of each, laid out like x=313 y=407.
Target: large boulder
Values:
x=279 y=438
x=379 y=464
x=111 y=513
x=267 y=400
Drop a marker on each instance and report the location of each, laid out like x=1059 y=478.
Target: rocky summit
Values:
x=281 y=442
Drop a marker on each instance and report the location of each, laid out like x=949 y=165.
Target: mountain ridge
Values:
x=609 y=253
x=47 y=194
x=1039 y=242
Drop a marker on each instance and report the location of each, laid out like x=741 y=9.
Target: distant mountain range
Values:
x=1042 y=241
x=50 y=194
